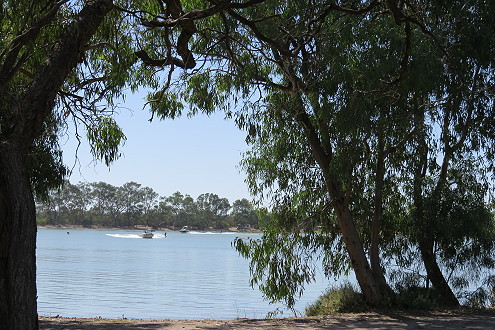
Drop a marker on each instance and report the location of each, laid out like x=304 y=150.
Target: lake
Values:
x=115 y=274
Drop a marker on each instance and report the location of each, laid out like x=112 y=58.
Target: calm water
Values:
x=90 y=273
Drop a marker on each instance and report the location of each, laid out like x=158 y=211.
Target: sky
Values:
x=191 y=155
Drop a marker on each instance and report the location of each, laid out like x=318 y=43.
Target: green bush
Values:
x=415 y=297
x=344 y=299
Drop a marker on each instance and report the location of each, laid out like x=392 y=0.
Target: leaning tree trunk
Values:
x=17 y=243
x=370 y=286
x=426 y=237
x=434 y=273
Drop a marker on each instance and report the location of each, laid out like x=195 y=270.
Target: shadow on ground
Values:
x=459 y=319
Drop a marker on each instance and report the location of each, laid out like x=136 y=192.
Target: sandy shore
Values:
x=463 y=319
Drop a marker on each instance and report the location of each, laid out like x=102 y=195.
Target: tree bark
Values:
x=18 y=307
x=426 y=241
x=369 y=285
x=435 y=275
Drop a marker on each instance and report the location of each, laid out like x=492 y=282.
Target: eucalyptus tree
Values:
x=182 y=208
x=149 y=201
x=212 y=209
x=432 y=120
x=129 y=198
x=64 y=59
x=134 y=203
x=243 y=213
x=59 y=61
x=346 y=78
x=53 y=61
x=74 y=202
x=105 y=207
x=450 y=156
x=284 y=54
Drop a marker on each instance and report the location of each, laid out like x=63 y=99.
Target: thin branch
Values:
x=333 y=7
x=147 y=60
x=400 y=17
x=404 y=64
x=99 y=45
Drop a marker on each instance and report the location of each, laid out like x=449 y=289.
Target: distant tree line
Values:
x=104 y=205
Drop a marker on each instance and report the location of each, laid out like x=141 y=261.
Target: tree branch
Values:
x=9 y=66
x=147 y=60
x=39 y=98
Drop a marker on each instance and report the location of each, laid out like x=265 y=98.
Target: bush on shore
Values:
x=344 y=299
x=347 y=299
x=419 y=298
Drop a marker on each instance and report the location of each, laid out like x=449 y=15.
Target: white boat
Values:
x=184 y=229
x=147 y=234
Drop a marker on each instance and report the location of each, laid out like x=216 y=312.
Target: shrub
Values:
x=421 y=298
x=344 y=299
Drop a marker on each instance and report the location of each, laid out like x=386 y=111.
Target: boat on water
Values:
x=184 y=229
x=147 y=234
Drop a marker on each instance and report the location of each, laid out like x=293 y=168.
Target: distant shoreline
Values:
x=231 y=229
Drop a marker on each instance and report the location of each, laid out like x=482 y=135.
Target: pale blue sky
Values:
x=191 y=155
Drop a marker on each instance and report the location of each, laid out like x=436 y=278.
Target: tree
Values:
x=349 y=79
x=74 y=201
x=63 y=60
x=212 y=209
x=450 y=109
x=387 y=134
x=279 y=62
x=105 y=206
x=57 y=63
x=129 y=198
x=41 y=45
x=149 y=202
x=243 y=213
x=181 y=207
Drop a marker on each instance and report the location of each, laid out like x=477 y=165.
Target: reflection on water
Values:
x=90 y=273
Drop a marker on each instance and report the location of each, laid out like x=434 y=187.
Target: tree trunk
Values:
x=425 y=242
x=17 y=243
x=435 y=275
x=369 y=285
x=18 y=308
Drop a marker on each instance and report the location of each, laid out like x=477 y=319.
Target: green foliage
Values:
x=244 y=214
x=105 y=138
x=281 y=262
x=104 y=205
x=45 y=163
x=213 y=210
x=420 y=298
x=106 y=68
x=326 y=94
x=166 y=105
x=344 y=299
x=357 y=96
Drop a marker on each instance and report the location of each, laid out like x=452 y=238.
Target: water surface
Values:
x=114 y=274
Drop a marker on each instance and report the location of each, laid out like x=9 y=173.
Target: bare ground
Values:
x=459 y=319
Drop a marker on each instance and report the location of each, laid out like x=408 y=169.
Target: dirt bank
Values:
x=464 y=319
